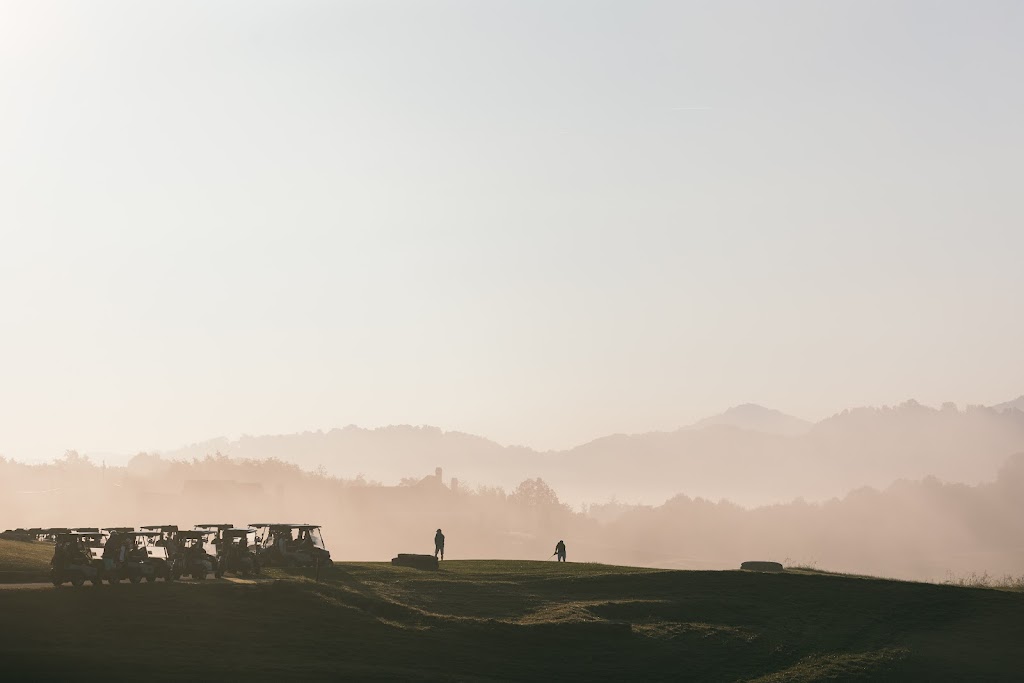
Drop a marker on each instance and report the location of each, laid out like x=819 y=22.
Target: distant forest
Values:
x=915 y=529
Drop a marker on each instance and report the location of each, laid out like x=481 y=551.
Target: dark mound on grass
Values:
x=415 y=561
x=759 y=566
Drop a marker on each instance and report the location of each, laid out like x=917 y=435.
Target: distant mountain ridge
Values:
x=749 y=454
x=1015 y=404
x=757 y=418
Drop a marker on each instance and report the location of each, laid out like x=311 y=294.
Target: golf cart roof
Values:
x=119 y=529
x=160 y=527
x=75 y=534
x=198 y=533
x=136 y=534
x=234 y=533
x=56 y=530
x=215 y=526
x=86 y=529
x=288 y=526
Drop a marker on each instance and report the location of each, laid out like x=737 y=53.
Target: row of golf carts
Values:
x=166 y=552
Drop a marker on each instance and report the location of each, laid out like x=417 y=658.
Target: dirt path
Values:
x=248 y=582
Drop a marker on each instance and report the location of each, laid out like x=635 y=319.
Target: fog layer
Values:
x=738 y=459
x=917 y=527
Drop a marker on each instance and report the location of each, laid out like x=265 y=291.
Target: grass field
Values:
x=24 y=560
x=500 y=620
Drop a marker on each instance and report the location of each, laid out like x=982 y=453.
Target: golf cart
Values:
x=71 y=561
x=164 y=536
x=166 y=532
x=118 y=529
x=158 y=551
x=238 y=556
x=291 y=545
x=94 y=541
x=192 y=558
x=217 y=542
x=20 y=534
x=126 y=550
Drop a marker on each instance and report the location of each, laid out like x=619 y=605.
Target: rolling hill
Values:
x=506 y=620
x=24 y=560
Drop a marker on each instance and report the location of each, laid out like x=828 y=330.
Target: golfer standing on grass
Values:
x=439 y=544
x=560 y=551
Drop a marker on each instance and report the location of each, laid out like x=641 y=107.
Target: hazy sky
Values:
x=537 y=221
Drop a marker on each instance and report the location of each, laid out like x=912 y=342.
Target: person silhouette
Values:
x=439 y=544
x=560 y=551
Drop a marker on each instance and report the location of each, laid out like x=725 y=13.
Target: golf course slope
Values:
x=24 y=560
x=504 y=620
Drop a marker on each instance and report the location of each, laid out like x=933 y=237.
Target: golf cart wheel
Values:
x=135 y=578
x=77 y=580
x=199 y=576
x=170 y=577
x=150 y=578
x=217 y=574
x=113 y=580
x=97 y=581
x=56 y=580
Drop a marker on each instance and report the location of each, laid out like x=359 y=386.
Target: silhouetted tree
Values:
x=535 y=492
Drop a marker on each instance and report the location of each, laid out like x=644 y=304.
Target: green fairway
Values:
x=24 y=560
x=501 y=620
